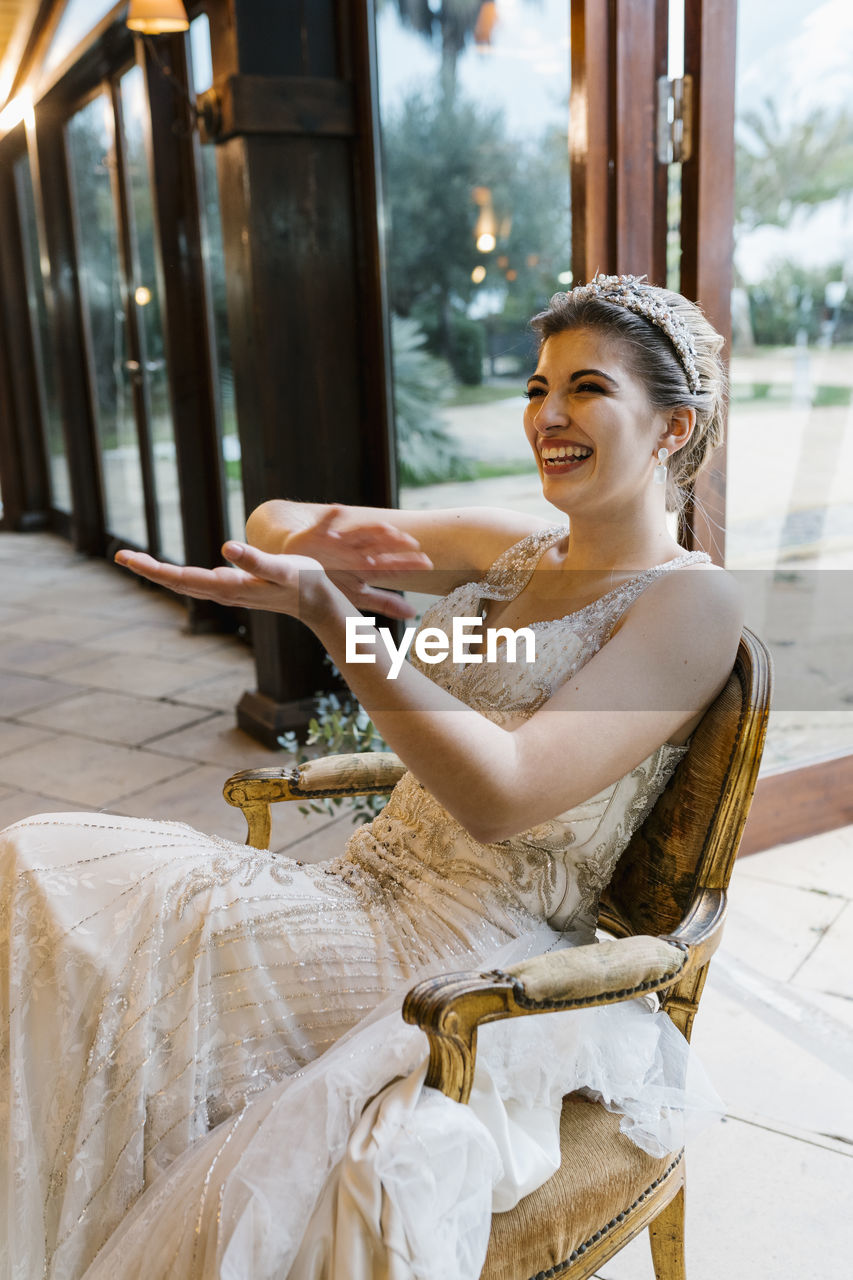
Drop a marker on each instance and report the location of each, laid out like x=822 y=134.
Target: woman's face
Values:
x=589 y=422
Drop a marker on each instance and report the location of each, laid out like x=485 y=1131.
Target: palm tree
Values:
x=455 y=22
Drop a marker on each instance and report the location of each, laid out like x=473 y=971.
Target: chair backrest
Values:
x=690 y=839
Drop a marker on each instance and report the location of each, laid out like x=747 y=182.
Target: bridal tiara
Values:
x=635 y=294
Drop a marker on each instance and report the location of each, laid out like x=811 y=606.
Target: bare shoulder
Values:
x=697 y=612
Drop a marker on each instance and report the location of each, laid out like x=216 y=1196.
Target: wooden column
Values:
x=592 y=165
x=618 y=185
x=707 y=218
x=639 y=57
x=296 y=167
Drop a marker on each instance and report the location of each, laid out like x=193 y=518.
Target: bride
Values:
x=191 y=1028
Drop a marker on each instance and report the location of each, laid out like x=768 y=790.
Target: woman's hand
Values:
x=352 y=556
x=291 y=584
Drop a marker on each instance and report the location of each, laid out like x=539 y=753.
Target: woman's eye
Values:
x=588 y=386
x=531 y=393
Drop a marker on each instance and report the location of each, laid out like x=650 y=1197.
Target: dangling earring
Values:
x=660 y=469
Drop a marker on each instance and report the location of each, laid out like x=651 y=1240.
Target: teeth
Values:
x=557 y=452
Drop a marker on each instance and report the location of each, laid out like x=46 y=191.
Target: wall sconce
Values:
x=157 y=17
x=149 y=18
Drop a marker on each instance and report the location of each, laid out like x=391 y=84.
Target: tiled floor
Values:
x=106 y=703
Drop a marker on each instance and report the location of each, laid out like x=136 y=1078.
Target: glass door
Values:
x=120 y=283
x=150 y=369
x=790 y=452
x=92 y=164
x=35 y=271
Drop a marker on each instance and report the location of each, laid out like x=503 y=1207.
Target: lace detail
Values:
x=504 y=691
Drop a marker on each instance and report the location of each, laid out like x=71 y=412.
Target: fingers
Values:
x=393 y=606
x=274 y=568
x=363 y=546
x=202 y=584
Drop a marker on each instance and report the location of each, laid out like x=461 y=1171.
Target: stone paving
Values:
x=107 y=703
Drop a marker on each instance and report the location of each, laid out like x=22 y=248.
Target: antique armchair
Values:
x=664 y=908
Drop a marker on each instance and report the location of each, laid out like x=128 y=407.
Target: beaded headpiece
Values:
x=635 y=294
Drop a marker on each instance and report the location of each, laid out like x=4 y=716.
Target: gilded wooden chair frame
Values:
x=665 y=908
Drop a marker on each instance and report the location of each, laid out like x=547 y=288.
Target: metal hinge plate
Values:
x=675 y=120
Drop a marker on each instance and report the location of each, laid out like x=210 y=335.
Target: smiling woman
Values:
x=190 y=988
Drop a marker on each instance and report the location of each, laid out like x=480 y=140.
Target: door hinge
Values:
x=675 y=120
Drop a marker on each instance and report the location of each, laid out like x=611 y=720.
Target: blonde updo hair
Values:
x=652 y=359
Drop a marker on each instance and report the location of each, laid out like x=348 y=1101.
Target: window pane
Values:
x=476 y=189
x=80 y=17
x=790 y=453
x=145 y=291
x=214 y=258
x=91 y=155
x=36 y=269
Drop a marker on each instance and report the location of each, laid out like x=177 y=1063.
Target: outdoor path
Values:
x=106 y=703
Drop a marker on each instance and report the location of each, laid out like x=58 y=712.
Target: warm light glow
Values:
x=565 y=277
x=478 y=275
x=486 y=22
x=142 y=296
x=503 y=262
x=20 y=108
x=512 y=274
x=157 y=17
x=486 y=242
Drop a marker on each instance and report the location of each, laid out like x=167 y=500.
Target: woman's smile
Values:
x=559 y=459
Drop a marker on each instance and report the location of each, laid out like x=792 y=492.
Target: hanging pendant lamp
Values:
x=157 y=17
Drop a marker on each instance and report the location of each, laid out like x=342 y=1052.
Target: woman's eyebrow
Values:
x=598 y=373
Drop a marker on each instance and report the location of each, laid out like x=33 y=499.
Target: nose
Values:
x=551 y=414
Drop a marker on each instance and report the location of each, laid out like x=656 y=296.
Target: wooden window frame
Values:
x=619 y=225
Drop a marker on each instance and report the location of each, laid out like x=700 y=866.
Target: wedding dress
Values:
x=198 y=1028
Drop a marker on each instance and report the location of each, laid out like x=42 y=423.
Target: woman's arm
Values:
x=426 y=551
x=669 y=658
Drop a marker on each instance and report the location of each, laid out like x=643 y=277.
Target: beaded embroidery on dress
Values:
x=160 y=979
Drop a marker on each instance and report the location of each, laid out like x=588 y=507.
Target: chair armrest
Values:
x=449 y=1008
x=368 y=773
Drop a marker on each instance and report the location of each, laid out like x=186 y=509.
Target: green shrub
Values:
x=422 y=383
x=467 y=349
x=340 y=725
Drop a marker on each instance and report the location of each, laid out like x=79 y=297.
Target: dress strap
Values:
x=510 y=573
x=611 y=606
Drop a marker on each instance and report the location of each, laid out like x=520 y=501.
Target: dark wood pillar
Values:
x=619 y=49
x=296 y=166
x=707 y=219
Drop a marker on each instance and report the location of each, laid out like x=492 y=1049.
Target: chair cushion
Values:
x=601 y=1175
